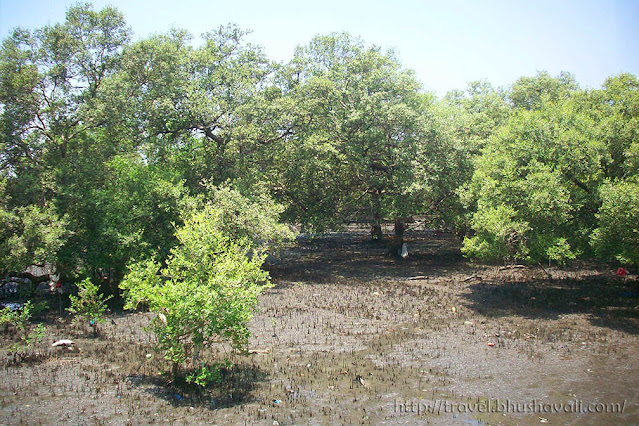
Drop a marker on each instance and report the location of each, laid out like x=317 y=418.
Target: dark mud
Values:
x=349 y=336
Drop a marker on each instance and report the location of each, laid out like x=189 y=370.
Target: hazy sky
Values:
x=448 y=43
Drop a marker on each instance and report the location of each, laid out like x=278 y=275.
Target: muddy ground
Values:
x=348 y=336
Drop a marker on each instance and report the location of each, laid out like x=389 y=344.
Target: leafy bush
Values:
x=19 y=321
x=15 y=319
x=205 y=293
x=89 y=305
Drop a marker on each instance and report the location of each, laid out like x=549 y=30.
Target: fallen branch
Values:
x=473 y=277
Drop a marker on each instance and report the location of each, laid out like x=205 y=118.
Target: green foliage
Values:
x=354 y=150
x=31 y=235
x=19 y=319
x=107 y=144
x=530 y=93
x=136 y=205
x=254 y=219
x=619 y=128
x=19 y=322
x=49 y=90
x=544 y=167
x=563 y=156
x=89 y=305
x=498 y=235
x=34 y=336
x=209 y=376
x=205 y=293
x=617 y=234
x=559 y=251
x=466 y=120
x=197 y=110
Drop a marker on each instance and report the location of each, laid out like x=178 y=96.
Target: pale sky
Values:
x=447 y=43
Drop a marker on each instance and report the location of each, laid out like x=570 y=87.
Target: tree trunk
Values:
x=196 y=355
x=376 y=224
x=376 y=232
x=395 y=245
x=175 y=370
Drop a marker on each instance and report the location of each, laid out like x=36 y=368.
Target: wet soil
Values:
x=349 y=336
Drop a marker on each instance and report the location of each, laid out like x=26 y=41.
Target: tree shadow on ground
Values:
x=234 y=388
x=334 y=258
x=608 y=302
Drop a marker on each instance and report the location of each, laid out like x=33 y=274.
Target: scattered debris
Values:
x=68 y=344
x=404 y=252
x=621 y=272
x=13 y=306
x=359 y=380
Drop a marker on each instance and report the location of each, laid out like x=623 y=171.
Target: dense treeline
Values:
x=107 y=145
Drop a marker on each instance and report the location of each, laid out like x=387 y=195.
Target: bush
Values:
x=89 y=305
x=17 y=320
x=205 y=293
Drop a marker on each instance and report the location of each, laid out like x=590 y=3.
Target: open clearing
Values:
x=348 y=336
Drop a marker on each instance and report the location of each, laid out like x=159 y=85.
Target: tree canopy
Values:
x=108 y=145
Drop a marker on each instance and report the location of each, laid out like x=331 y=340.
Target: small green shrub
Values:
x=19 y=321
x=16 y=319
x=34 y=336
x=206 y=292
x=89 y=305
x=9 y=318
